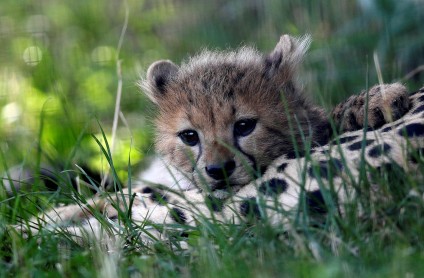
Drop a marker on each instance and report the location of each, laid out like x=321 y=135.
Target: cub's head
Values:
x=225 y=116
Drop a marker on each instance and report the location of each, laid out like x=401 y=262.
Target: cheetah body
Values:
x=281 y=152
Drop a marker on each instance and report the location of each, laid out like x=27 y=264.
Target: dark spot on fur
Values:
x=190 y=100
x=346 y=139
x=178 y=215
x=273 y=187
x=229 y=94
x=315 y=202
x=358 y=145
x=419 y=109
x=368 y=129
x=421 y=98
x=412 y=130
x=233 y=110
x=379 y=150
x=391 y=127
x=185 y=234
x=159 y=198
x=326 y=169
x=147 y=190
x=249 y=207
x=398 y=124
x=387 y=128
x=214 y=204
x=113 y=217
x=282 y=167
x=291 y=155
x=239 y=77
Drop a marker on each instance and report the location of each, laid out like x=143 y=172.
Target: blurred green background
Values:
x=58 y=61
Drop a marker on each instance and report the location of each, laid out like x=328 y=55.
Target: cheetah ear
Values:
x=158 y=76
x=282 y=62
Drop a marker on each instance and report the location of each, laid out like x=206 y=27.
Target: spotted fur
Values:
x=381 y=104
x=235 y=174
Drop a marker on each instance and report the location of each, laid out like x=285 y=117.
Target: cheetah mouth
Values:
x=221 y=185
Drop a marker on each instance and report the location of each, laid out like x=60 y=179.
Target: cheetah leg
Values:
x=386 y=103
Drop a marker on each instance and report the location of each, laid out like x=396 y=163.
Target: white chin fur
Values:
x=164 y=174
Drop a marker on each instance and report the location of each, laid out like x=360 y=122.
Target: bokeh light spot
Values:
x=32 y=55
x=103 y=55
x=11 y=112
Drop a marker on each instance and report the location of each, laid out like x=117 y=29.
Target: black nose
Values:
x=220 y=171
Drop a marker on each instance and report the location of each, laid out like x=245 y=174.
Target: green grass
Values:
x=51 y=107
x=383 y=238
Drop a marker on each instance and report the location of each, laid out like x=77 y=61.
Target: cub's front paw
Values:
x=386 y=103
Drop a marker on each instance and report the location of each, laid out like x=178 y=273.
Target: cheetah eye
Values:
x=244 y=127
x=189 y=137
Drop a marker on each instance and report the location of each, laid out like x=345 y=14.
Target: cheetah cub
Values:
x=233 y=126
x=225 y=116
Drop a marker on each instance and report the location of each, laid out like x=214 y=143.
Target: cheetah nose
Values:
x=221 y=171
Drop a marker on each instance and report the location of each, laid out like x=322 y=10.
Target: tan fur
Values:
x=210 y=93
x=213 y=90
x=381 y=104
